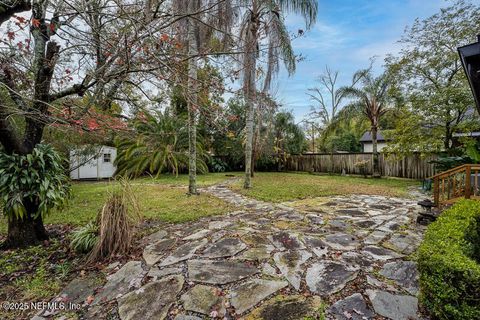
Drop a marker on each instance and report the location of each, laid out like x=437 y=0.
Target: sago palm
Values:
x=263 y=25
x=161 y=144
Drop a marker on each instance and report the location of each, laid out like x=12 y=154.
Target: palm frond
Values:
x=308 y=9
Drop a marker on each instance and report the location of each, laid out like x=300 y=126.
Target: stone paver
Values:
x=380 y=253
x=276 y=261
x=204 y=299
x=226 y=247
x=154 y=252
x=286 y=241
x=184 y=252
x=395 y=307
x=157 y=273
x=328 y=277
x=353 y=307
x=342 y=241
x=219 y=272
x=290 y=264
x=151 y=301
x=261 y=252
x=246 y=295
x=127 y=278
x=404 y=273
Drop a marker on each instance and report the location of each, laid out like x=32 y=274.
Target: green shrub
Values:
x=217 y=165
x=448 y=263
x=37 y=178
x=85 y=238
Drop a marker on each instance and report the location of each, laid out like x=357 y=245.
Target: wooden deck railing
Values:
x=457 y=183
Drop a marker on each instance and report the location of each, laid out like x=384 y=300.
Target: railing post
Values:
x=468 y=179
x=436 y=191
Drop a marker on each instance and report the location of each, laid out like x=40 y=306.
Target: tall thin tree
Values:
x=263 y=23
x=206 y=20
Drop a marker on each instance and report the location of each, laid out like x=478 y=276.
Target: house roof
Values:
x=367 y=137
x=467 y=134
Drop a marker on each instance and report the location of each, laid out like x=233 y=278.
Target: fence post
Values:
x=468 y=177
x=436 y=191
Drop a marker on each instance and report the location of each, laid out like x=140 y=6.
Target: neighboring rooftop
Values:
x=367 y=137
x=467 y=134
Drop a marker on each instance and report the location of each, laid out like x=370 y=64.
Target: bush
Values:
x=448 y=263
x=36 y=180
x=217 y=165
x=85 y=238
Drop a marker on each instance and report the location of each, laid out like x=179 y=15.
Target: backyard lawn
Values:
x=279 y=187
x=164 y=199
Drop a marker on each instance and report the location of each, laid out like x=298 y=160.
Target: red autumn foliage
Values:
x=164 y=37
x=92 y=121
x=35 y=22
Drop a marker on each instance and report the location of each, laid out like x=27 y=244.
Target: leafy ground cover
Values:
x=279 y=187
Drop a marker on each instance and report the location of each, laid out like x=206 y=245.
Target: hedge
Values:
x=449 y=263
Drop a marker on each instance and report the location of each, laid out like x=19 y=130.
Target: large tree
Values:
x=68 y=49
x=428 y=73
x=263 y=25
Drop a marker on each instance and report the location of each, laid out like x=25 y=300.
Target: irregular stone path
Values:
x=346 y=255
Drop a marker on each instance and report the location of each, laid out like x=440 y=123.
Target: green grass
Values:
x=163 y=199
x=279 y=187
x=182 y=179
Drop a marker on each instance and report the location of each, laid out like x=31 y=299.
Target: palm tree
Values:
x=372 y=98
x=205 y=21
x=264 y=19
x=288 y=137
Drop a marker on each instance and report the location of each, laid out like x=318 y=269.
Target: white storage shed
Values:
x=98 y=164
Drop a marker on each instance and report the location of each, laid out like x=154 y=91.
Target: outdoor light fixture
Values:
x=470 y=56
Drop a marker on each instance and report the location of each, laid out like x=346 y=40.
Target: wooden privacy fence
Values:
x=413 y=166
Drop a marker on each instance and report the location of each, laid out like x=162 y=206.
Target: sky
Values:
x=348 y=33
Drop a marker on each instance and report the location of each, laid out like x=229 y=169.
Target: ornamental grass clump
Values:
x=116 y=224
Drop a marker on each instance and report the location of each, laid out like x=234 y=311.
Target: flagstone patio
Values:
x=347 y=256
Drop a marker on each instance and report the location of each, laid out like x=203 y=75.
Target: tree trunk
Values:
x=249 y=143
x=376 y=161
x=25 y=232
x=192 y=102
x=254 y=154
x=448 y=138
x=256 y=146
x=250 y=92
